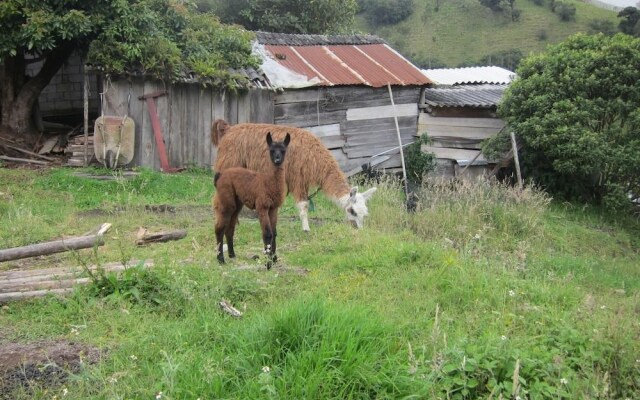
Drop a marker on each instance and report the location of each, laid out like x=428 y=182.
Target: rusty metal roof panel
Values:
x=337 y=60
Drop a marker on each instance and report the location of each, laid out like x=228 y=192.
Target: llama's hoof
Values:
x=269 y=265
x=232 y=255
x=221 y=259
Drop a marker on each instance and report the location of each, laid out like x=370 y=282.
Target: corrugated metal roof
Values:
x=479 y=96
x=320 y=60
x=460 y=76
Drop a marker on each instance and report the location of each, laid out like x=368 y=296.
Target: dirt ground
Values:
x=42 y=364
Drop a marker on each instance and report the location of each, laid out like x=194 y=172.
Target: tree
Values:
x=297 y=16
x=630 y=23
x=576 y=111
x=162 y=38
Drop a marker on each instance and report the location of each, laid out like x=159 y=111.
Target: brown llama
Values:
x=309 y=165
x=260 y=191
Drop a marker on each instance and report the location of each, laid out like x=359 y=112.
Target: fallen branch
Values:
x=29 y=152
x=229 y=309
x=24 y=160
x=143 y=237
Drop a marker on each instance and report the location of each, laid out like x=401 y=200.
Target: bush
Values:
x=417 y=162
x=576 y=112
x=566 y=12
x=386 y=12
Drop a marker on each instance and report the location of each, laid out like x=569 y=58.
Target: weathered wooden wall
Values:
x=355 y=123
x=185 y=113
x=456 y=141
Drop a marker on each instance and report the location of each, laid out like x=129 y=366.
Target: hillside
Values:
x=462 y=32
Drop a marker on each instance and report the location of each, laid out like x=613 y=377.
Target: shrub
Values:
x=417 y=162
x=566 y=12
x=386 y=12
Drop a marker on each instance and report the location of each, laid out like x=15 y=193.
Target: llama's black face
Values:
x=277 y=150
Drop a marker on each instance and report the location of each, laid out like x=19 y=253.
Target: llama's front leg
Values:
x=267 y=235
x=303 y=209
x=273 y=219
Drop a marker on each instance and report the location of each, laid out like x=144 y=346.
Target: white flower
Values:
x=133 y=357
x=158 y=395
x=512 y=293
x=266 y=369
x=503 y=337
x=564 y=381
x=65 y=391
x=112 y=380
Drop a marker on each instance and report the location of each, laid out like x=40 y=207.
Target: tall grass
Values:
x=485 y=291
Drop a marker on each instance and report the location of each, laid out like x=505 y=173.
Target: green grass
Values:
x=464 y=31
x=480 y=286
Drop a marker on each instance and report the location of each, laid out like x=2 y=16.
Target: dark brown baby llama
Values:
x=260 y=191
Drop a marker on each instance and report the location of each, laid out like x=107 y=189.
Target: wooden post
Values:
x=516 y=159
x=395 y=118
x=86 y=114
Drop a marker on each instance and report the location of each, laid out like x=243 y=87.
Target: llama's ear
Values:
x=269 y=139
x=367 y=195
x=353 y=192
x=287 y=139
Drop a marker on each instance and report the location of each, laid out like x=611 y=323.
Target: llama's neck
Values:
x=336 y=187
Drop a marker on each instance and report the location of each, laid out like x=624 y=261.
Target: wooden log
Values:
x=24 y=160
x=42 y=285
x=4 y=297
x=18 y=275
x=144 y=237
x=57 y=246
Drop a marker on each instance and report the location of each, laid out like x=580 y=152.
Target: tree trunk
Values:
x=18 y=94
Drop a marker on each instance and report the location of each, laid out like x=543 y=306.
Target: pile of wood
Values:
x=21 y=284
x=76 y=151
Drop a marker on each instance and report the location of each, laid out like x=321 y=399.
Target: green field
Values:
x=464 y=31
x=484 y=292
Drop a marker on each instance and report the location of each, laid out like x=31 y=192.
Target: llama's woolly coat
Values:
x=309 y=165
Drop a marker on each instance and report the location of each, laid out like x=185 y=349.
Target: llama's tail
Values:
x=215 y=179
x=218 y=128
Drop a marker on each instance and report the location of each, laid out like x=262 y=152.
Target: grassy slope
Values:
x=465 y=31
x=448 y=299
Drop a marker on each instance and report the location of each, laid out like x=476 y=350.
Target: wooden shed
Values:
x=349 y=90
x=458 y=112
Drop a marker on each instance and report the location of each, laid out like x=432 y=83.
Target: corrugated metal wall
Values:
x=185 y=114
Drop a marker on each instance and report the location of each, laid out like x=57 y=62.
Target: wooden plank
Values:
x=204 y=128
x=232 y=109
x=379 y=125
x=304 y=120
x=426 y=119
x=456 y=144
x=453 y=154
x=336 y=97
x=467 y=132
x=244 y=107
x=325 y=130
x=333 y=142
x=218 y=110
x=368 y=113
x=136 y=109
x=261 y=104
